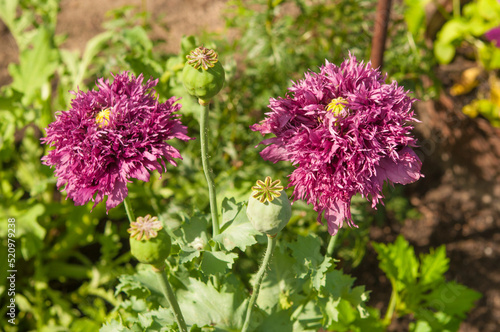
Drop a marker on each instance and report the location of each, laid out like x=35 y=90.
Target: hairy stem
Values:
x=206 y=168
x=271 y=243
x=170 y=296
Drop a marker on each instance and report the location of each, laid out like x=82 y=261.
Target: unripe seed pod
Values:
x=269 y=209
x=203 y=76
x=149 y=242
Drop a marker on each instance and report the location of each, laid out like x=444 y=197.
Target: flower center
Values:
x=202 y=57
x=102 y=118
x=146 y=227
x=267 y=190
x=336 y=106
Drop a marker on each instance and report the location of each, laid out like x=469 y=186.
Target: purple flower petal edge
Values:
x=493 y=36
x=346 y=132
x=94 y=159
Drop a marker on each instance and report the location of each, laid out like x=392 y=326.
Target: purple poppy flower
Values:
x=346 y=132
x=493 y=36
x=110 y=136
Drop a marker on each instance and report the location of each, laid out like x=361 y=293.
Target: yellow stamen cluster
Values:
x=102 y=118
x=336 y=106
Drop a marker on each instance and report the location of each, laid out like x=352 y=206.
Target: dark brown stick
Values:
x=380 y=33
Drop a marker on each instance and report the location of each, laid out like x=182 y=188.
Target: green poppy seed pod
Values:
x=149 y=242
x=269 y=209
x=203 y=76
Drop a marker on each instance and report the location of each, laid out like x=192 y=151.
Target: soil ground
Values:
x=458 y=198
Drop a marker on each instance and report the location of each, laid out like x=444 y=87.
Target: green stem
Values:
x=392 y=305
x=128 y=209
x=206 y=169
x=456 y=8
x=271 y=243
x=170 y=296
x=331 y=245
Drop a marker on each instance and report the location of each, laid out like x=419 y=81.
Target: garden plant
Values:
x=230 y=186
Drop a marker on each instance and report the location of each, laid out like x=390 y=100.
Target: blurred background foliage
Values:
x=69 y=259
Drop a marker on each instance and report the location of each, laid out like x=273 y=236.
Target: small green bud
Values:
x=149 y=242
x=203 y=76
x=269 y=209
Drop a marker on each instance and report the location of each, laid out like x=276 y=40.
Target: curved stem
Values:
x=206 y=169
x=170 y=296
x=331 y=245
x=271 y=243
x=128 y=209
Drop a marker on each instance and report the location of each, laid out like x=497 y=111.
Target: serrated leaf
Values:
x=132 y=287
x=187 y=254
x=453 y=299
x=237 y=230
x=215 y=262
x=306 y=251
x=156 y=320
x=398 y=261
x=330 y=311
x=202 y=304
x=337 y=284
x=113 y=326
x=433 y=266
x=144 y=285
x=318 y=276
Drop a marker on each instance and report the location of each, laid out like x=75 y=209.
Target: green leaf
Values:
x=279 y=283
x=30 y=245
x=193 y=228
x=230 y=210
x=415 y=15
x=277 y=321
x=114 y=326
x=93 y=47
x=215 y=262
x=137 y=38
x=453 y=299
x=27 y=221
x=306 y=251
x=237 y=231
x=36 y=65
x=319 y=275
x=158 y=320
x=143 y=285
x=444 y=53
x=132 y=287
x=187 y=254
x=398 y=261
x=202 y=304
x=433 y=266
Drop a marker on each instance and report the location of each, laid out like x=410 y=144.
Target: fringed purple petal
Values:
x=346 y=131
x=95 y=159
